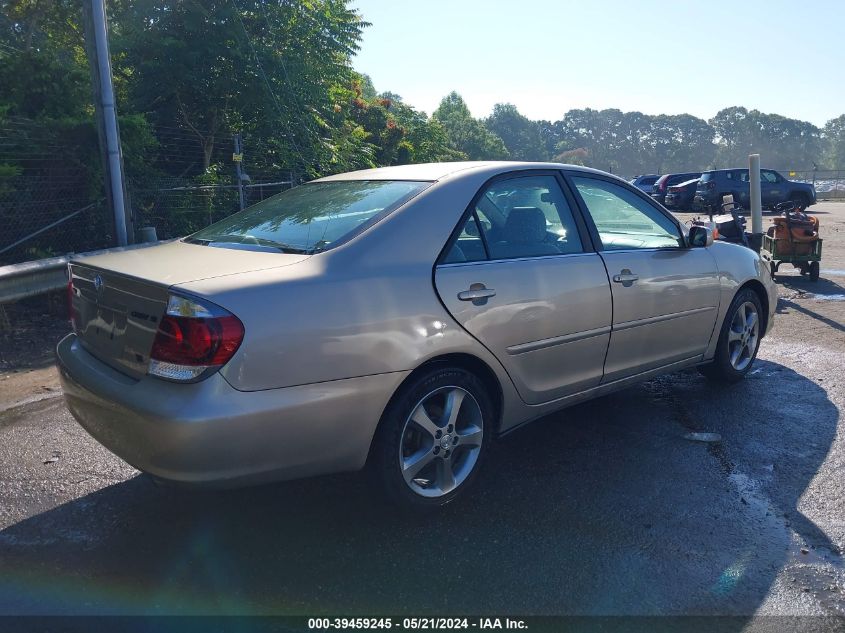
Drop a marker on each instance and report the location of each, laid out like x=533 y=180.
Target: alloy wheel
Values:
x=441 y=441
x=743 y=335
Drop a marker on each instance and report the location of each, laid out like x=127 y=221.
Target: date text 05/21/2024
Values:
x=413 y=624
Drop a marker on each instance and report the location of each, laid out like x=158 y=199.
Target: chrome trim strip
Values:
x=627 y=325
x=482 y=262
x=522 y=348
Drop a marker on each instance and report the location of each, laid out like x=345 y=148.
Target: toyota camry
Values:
x=398 y=319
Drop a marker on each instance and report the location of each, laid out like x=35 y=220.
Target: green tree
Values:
x=783 y=143
x=43 y=69
x=467 y=134
x=426 y=137
x=266 y=68
x=834 y=135
x=520 y=135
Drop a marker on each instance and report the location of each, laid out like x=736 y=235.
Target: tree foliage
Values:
x=281 y=71
x=467 y=134
x=783 y=142
x=520 y=135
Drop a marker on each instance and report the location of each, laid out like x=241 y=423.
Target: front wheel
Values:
x=739 y=340
x=432 y=438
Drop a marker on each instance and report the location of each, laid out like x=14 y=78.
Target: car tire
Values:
x=738 y=342
x=424 y=454
x=814 y=271
x=799 y=201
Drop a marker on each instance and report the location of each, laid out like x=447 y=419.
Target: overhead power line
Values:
x=272 y=92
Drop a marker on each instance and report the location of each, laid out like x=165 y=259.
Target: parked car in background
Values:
x=661 y=187
x=680 y=196
x=774 y=189
x=398 y=319
x=645 y=183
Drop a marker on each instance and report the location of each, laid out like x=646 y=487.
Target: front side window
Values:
x=312 y=217
x=769 y=176
x=624 y=220
x=519 y=217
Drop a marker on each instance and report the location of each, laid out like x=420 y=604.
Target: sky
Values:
x=656 y=57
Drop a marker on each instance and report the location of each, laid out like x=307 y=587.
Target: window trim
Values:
x=568 y=174
x=587 y=243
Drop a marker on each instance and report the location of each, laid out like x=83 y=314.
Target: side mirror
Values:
x=700 y=237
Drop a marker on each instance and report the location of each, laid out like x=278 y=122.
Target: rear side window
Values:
x=312 y=217
x=518 y=217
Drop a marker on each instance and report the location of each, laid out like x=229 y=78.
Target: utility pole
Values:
x=97 y=47
x=756 y=202
x=238 y=157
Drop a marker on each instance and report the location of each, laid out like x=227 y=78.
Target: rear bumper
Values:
x=210 y=433
x=703 y=202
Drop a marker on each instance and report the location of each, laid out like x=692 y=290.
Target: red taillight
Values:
x=193 y=341
x=675 y=189
x=192 y=337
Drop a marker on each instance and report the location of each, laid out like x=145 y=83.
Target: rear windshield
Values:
x=312 y=217
x=648 y=180
x=706 y=176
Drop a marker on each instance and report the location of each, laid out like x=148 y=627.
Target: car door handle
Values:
x=477 y=293
x=626 y=277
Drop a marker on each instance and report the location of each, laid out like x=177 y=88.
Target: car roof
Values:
x=442 y=171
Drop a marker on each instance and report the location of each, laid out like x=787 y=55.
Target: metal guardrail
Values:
x=28 y=279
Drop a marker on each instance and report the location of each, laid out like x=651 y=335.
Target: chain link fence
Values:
x=52 y=199
x=52 y=189
x=829 y=183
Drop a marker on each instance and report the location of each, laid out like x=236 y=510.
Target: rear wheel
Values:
x=799 y=201
x=814 y=271
x=739 y=339
x=432 y=438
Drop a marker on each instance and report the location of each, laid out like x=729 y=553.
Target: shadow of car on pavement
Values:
x=604 y=508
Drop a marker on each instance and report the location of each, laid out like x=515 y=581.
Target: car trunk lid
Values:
x=118 y=299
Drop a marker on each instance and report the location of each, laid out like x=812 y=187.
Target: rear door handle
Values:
x=477 y=293
x=626 y=277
